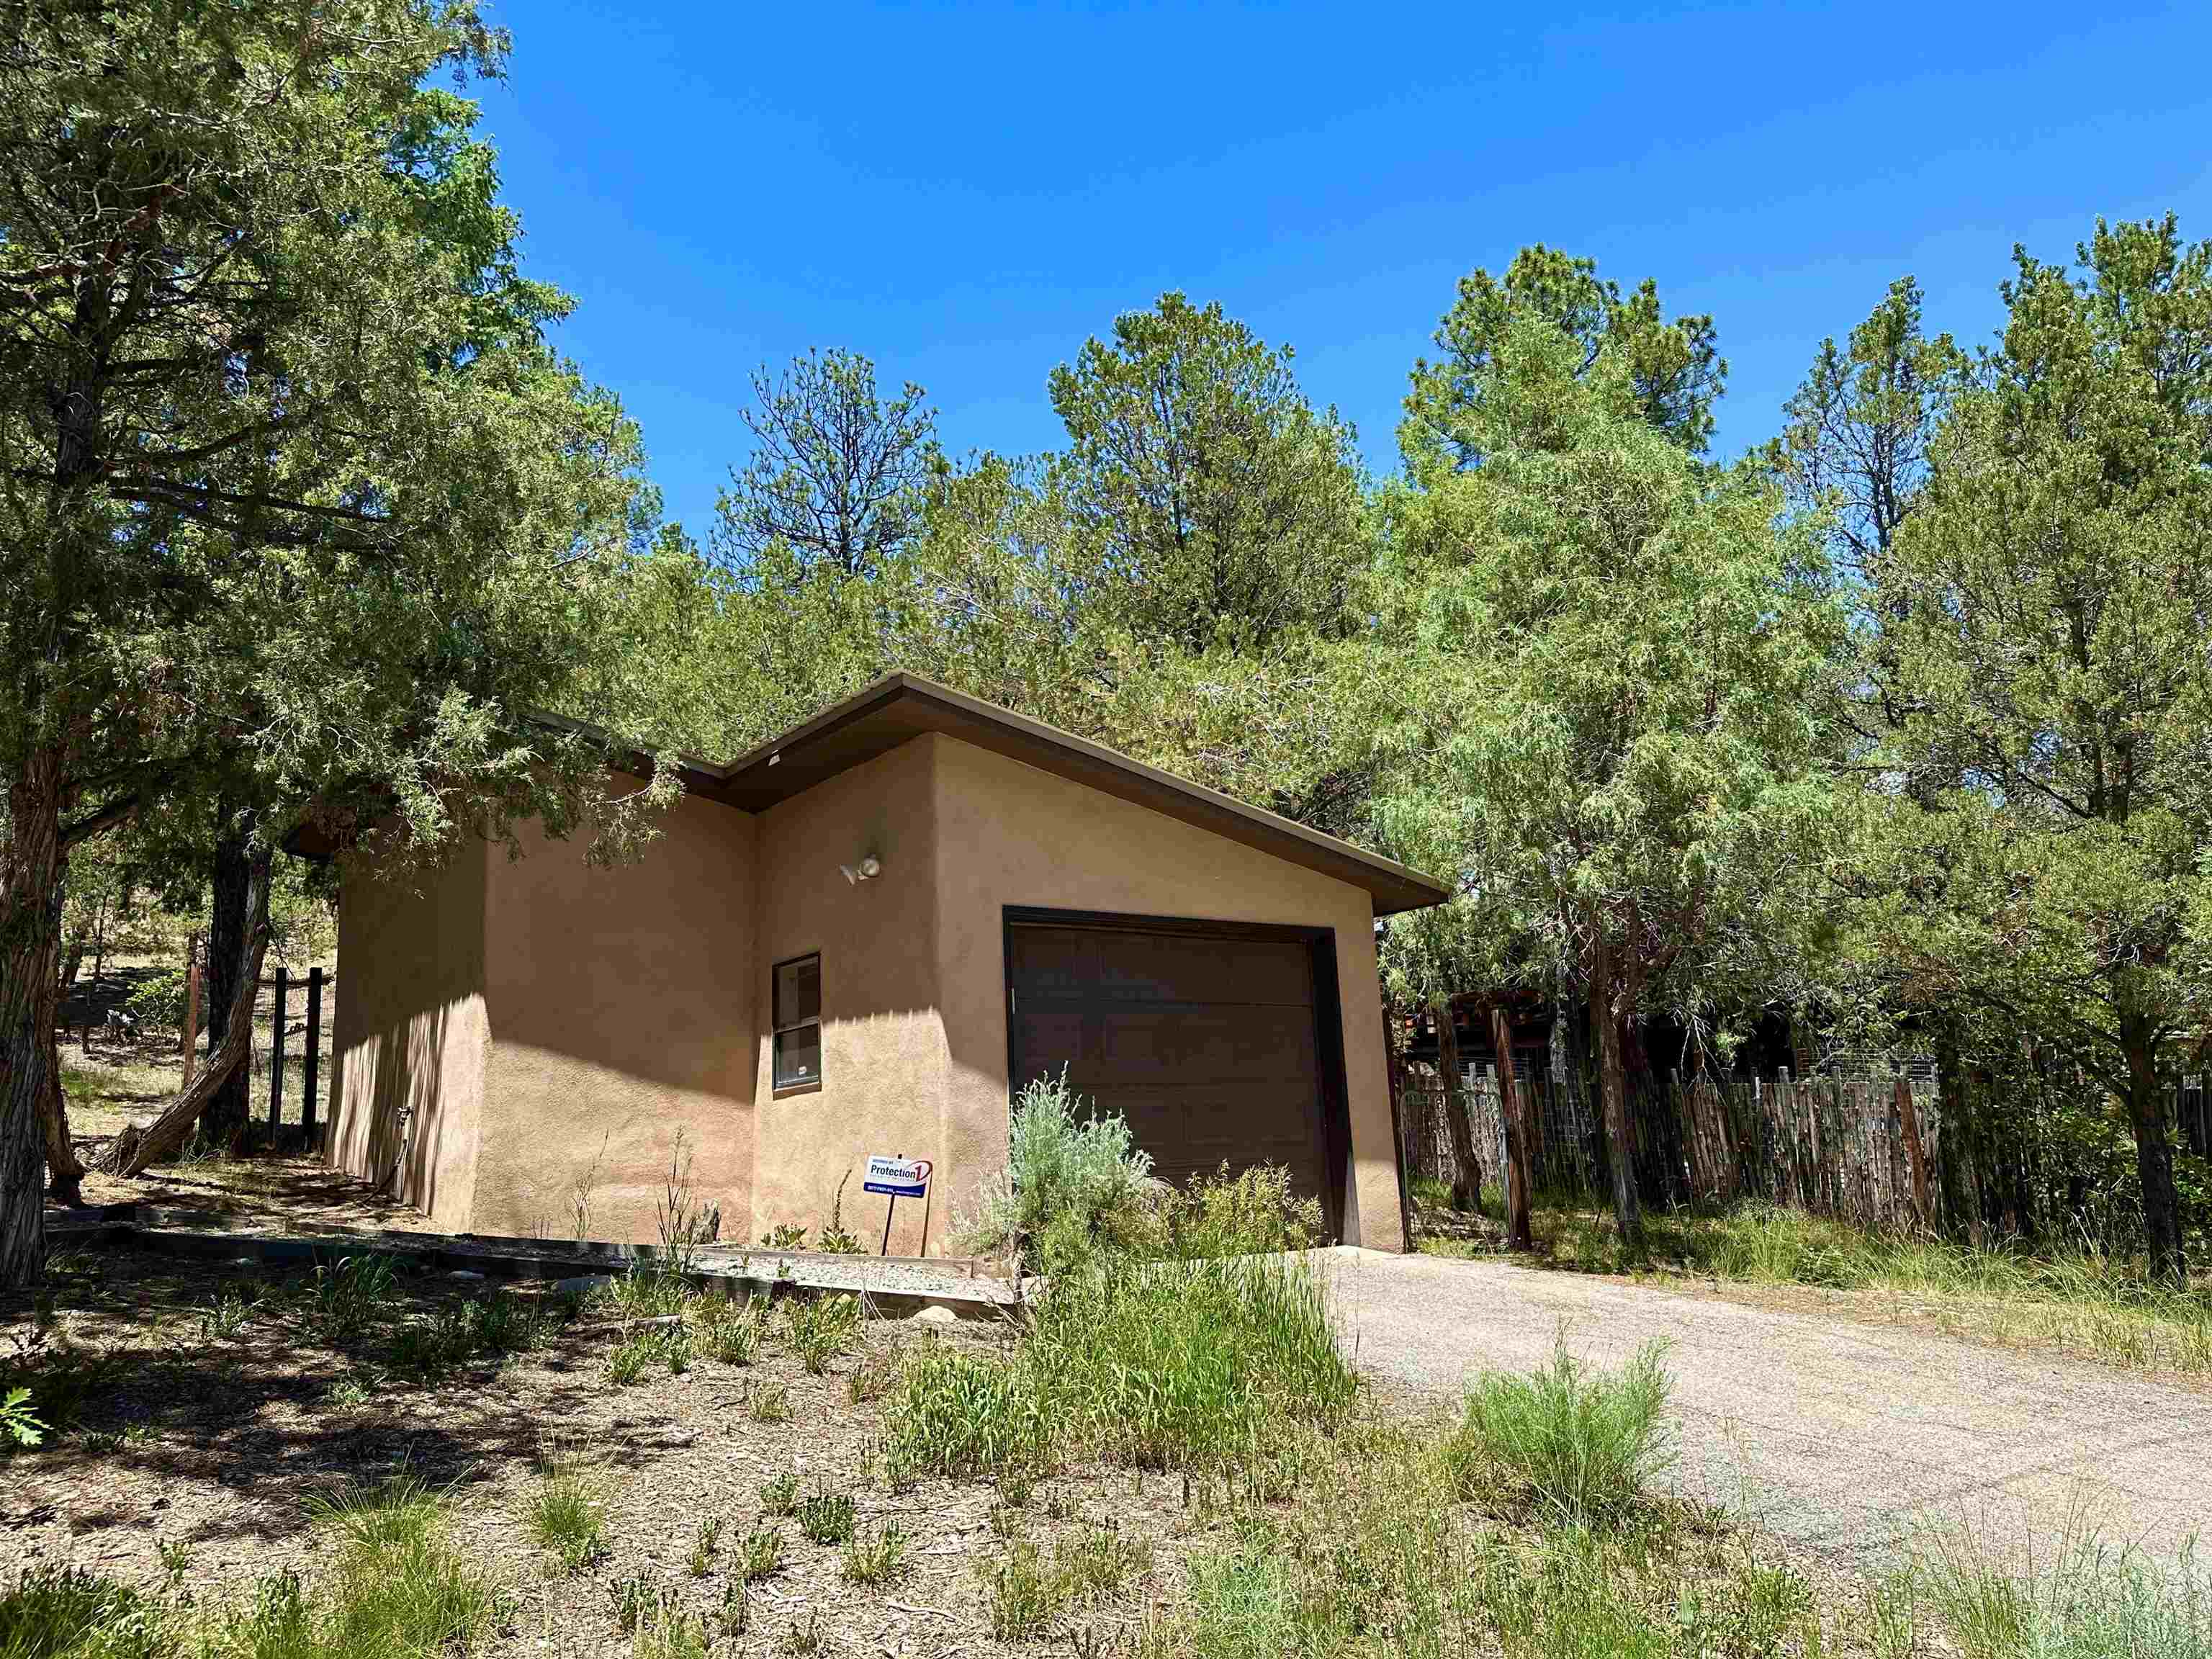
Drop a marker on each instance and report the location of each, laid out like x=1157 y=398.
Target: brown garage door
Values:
x=1209 y=1045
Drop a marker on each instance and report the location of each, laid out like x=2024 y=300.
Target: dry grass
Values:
x=2079 y=1303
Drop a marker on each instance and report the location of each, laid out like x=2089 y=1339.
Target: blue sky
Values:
x=965 y=192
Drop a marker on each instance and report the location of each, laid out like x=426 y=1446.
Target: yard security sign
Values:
x=897 y=1178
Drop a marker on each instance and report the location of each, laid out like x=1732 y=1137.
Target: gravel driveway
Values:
x=1838 y=1435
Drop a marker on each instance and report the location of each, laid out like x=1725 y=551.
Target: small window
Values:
x=798 y=1022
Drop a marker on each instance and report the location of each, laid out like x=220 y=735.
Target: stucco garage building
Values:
x=521 y=1039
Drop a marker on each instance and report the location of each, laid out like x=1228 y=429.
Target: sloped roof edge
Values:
x=901 y=706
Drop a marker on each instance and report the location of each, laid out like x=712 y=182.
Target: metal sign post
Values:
x=896 y=1177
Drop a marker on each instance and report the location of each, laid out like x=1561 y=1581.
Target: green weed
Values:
x=768 y=1402
x=340 y=1302
x=703 y=1543
x=822 y=1328
x=825 y=1515
x=729 y=1328
x=566 y=1518
x=780 y=1496
x=1580 y=1447
x=764 y=1552
x=1028 y=1589
x=877 y=1557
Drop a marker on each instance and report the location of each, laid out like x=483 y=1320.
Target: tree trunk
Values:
x=228 y=932
x=64 y=1173
x=141 y=1145
x=1958 y=1159
x=1613 y=1084
x=32 y=868
x=1467 y=1180
x=2154 y=1151
x=1518 y=1234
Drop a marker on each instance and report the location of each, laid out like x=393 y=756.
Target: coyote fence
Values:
x=1839 y=1145
x=1862 y=1141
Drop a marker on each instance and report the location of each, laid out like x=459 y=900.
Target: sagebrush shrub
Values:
x=1074 y=1183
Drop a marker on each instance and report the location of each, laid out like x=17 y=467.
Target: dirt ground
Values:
x=209 y=1444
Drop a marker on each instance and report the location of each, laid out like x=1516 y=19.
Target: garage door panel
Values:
x=1207 y=1046
x=1097 y=964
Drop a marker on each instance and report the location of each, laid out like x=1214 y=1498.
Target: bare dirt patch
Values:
x=205 y=1447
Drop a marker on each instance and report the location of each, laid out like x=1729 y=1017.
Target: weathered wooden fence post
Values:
x=277 y=1064
x=315 y=1057
x=1908 y=1113
x=191 y=1006
x=1517 y=1231
x=1466 y=1177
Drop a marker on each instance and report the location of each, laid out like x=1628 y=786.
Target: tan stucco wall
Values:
x=883 y=1043
x=409 y=1029
x=1009 y=834
x=621 y=1006
x=556 y=1025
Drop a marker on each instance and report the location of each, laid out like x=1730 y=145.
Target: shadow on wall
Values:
x=395 y=1144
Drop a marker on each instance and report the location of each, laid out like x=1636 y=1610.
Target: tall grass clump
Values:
x=1075 y=1183
x=1187 y=1366
x=395 y=1584
x=2083 y=1298
x=566 y=1517
x=1579 y=1447
x=343 y=1301
x=67 y=1613
x=2087 y=1601
x=959 y=1411
x=1156 y=1365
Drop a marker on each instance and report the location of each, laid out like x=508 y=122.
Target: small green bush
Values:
x=1074 y=1183
x=1579 y=1446
x=158 y=1000
x=1253 y=1213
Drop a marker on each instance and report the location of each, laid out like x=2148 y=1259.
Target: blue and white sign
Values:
x=899 y=1178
